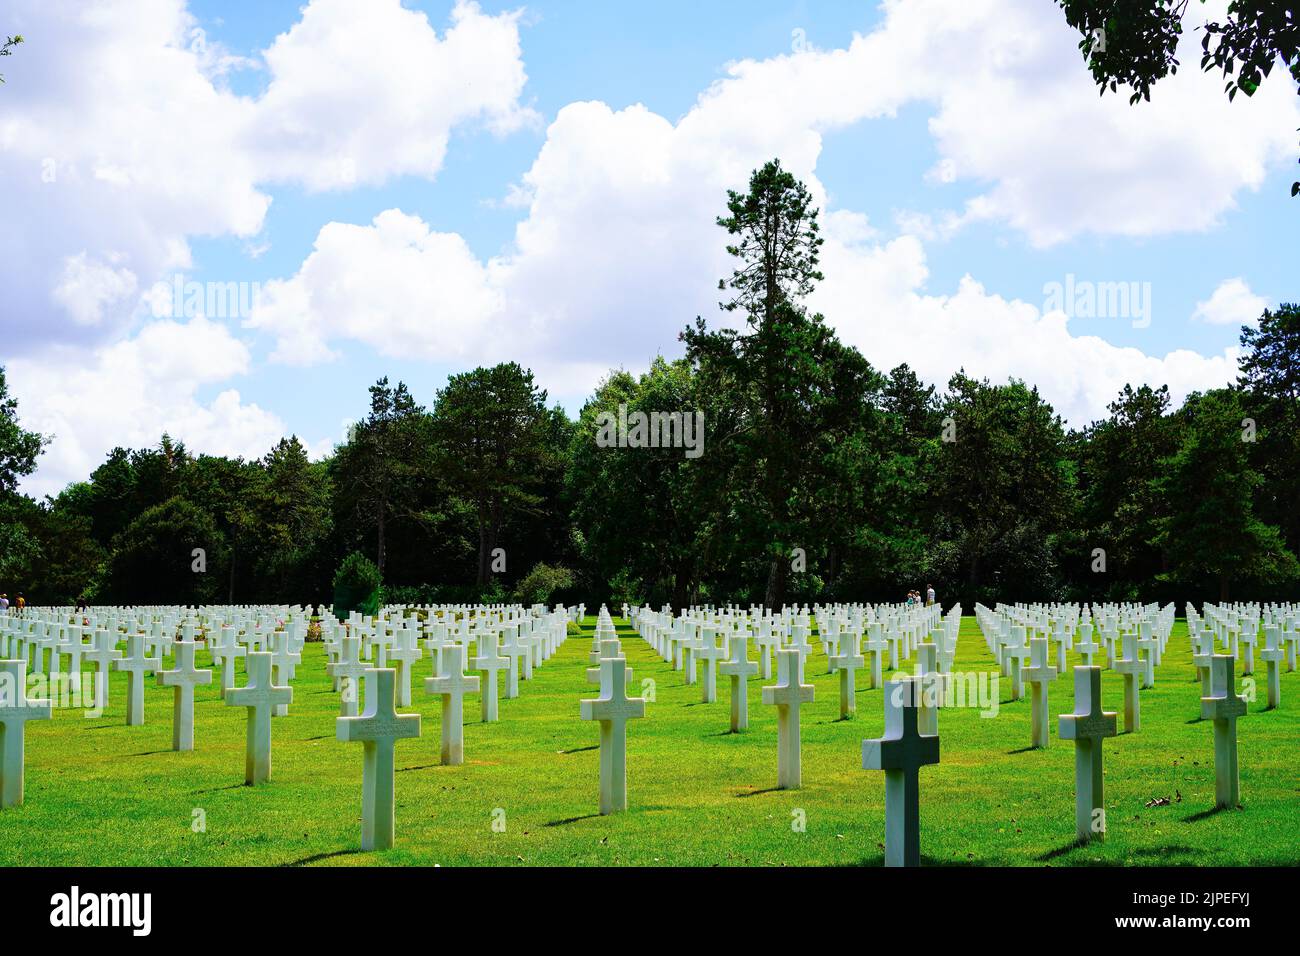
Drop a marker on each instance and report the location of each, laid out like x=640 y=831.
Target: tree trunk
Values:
x=483 y=553
x=681 y=590
x=1223 y=588
x=230 y=585
x=380 y=549
x=777 y=576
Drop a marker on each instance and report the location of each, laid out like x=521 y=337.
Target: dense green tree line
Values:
x=816 y=477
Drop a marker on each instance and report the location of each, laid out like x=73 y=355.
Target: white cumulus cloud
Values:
x=1231 y=303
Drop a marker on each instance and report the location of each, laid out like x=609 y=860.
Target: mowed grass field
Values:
x=101 y=793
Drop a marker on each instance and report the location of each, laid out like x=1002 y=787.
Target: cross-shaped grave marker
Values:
x=1039 y=675
x=378 y=728
x=137 y=667
x=613 y=709
x=1272 y=656
x=1223 y=706
x=788 y=694
x=183 y=679
x=739 y=668
x=901 y=753
x=258 y=697
x=452 y=684
x=283 y=662
x=347 y=672
x=489 y=663
x=15 y=710
x=1132 y=668
x=1088 y=726
x=406 y=653
x=847 y=661
x=224 y=653
x=103 y=654
x=710 y=652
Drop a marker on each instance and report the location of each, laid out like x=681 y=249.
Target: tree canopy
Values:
x=815 y=477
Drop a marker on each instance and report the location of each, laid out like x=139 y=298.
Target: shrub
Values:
x=356 y=586
x=541 y=583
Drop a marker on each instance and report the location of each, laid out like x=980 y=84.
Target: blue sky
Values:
x=962 y=156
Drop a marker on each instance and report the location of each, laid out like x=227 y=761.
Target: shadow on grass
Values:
x=1023 y=750
x=149 y=753
x=578 y=750
x=232 y=786
x=1206 y=814
x=321 y=856
x=1060 y=851
x=426 y=766
x=755 y=793
x=565 y=822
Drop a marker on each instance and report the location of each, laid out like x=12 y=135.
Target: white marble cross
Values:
x=929 y=688
x=613 y=709
x=258 y=696
x=1088 y=726
x=347 y=672
x=610 y=647
x=739 y=668
x=1014 y=653
x=71 y=644
x=846 y=662
x=406 y=653
x=1039 y=674
x=283 y=662
x=1202 y=654
x=710 y=652
x=901 y=753
x=876 y=647
x=224 y=653
x=183 y=679
x=379 y=728
x=1132 y=668
x=103 y=654
x=15 y=711
x=1223 y=706
x=1085 y=645
x=489 y=664
x=1248 y=637
x=452 y=684
x=517 y=650
x=789 y=693
x=1148 y=648
x=1272 y=656
x=137 y=667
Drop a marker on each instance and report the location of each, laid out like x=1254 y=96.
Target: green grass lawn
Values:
x=102 y=793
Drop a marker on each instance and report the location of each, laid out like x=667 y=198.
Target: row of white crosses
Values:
x=267 y=694
x=911 y=738
x=910 y=741
x=1133 y=641
x=531 y=638
x=1237 y=627
x=705 y=642
x=611 y=709
x=692 y=637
